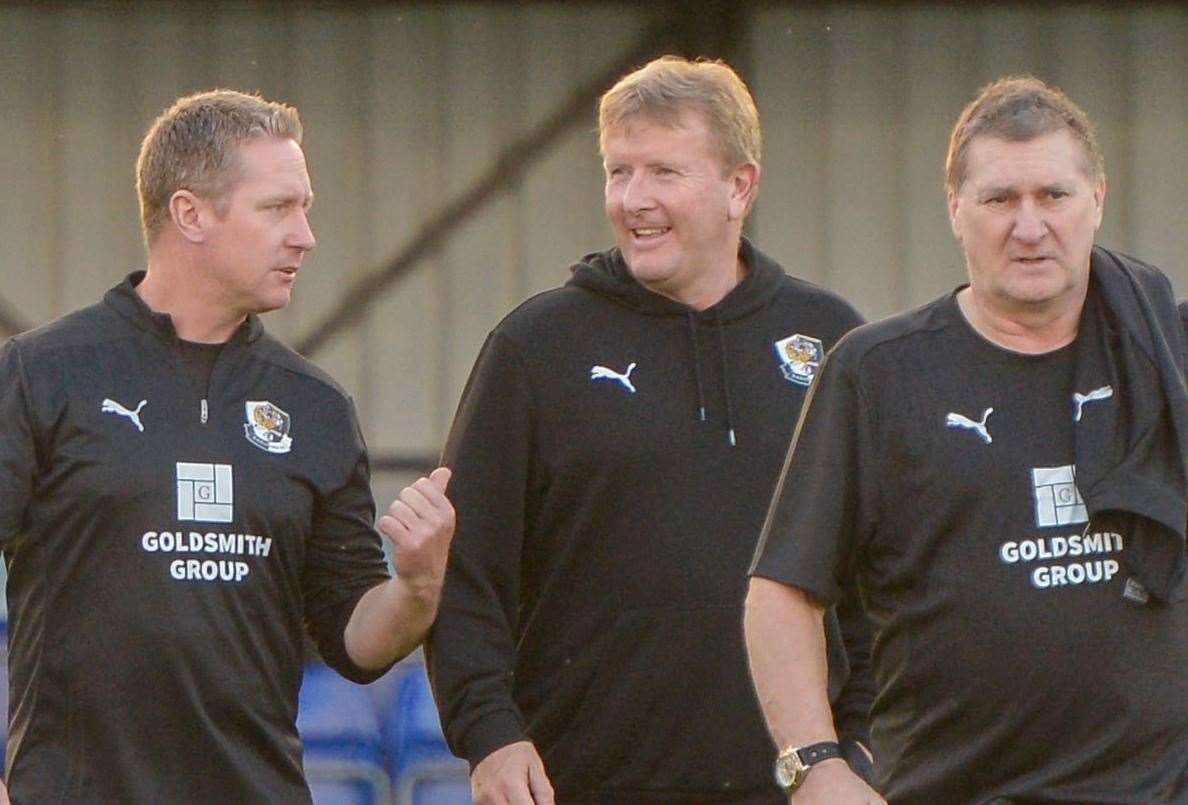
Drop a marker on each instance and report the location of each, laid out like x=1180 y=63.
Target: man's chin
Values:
x=273 y=302
x=646 y=270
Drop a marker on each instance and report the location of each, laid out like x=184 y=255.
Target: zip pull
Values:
x=205 y=411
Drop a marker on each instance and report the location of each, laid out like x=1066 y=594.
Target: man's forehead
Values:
x=274 y=158
x=1049 y=155
x=680 y=119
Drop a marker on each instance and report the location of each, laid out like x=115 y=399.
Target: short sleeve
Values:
x=18 y=446
x=824 y=505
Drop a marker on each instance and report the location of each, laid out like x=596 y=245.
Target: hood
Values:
x=606 y=274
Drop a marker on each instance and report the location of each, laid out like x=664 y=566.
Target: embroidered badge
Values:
x=267 y=427
x=800 y=356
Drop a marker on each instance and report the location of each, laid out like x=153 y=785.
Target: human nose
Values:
x=1030 y=226
x=637 y=195
x=303 y=237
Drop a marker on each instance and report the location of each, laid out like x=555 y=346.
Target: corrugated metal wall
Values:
x=405 y=106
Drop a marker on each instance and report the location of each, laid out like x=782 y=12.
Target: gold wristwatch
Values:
x=793 y=764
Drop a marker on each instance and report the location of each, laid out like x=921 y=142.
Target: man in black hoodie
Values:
x=613 y=454
x=1003 y=473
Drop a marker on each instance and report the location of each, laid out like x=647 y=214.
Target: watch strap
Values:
x=815 y=753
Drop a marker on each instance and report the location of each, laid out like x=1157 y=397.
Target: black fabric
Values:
x=155 y=632
x=197 y=362
x=1131 y=461
x=593 y=601
x=859 y=762
x=938 y=471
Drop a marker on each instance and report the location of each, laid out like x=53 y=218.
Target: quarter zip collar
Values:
x=125 y=301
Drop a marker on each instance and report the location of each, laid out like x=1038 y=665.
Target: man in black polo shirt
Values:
x=181 y=496
x=1002 y=473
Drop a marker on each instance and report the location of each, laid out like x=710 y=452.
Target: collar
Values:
x=126 y=302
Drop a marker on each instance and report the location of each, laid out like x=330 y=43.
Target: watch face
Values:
x=789 y=771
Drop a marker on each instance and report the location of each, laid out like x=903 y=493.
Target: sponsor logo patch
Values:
x=204 y=492
x=1057 y=499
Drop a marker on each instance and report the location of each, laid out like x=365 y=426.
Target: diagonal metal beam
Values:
x=507 y=169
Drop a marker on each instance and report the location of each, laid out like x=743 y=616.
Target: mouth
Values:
x=288 y=271
x=650 y=232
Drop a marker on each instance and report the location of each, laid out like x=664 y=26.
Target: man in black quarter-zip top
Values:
x=181 y=496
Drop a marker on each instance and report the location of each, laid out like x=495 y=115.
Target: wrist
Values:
x=421 y=592
x=794 y=763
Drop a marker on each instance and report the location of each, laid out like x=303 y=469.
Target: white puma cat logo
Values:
x=959 y=421
x=602 y=373
x=1103 y=393
x=113 y=407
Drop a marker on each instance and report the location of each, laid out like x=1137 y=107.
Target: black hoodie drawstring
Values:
x=696 y=363
x=692 y=319
x=726 y=378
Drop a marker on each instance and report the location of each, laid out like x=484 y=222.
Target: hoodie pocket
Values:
x=670 y=707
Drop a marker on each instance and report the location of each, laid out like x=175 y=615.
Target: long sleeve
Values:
x=345 y=557
x=471 y=648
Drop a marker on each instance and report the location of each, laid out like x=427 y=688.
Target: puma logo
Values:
x=1103 y=393
x=602 y=373
x=113 y=407
x=959 y=421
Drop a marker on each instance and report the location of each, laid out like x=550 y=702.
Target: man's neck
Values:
x=1031 y=331
x=714 y=290
x=197 y=316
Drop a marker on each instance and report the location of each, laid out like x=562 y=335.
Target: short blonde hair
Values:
x=668 y=86
x=1018 y=109
x=194 y=145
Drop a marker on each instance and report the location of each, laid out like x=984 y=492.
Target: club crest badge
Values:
x=267 y=427
x=800 y=357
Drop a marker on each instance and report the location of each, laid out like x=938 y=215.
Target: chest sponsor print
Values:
x=205 y=494
x=1071 y=559
x=1057 y=499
